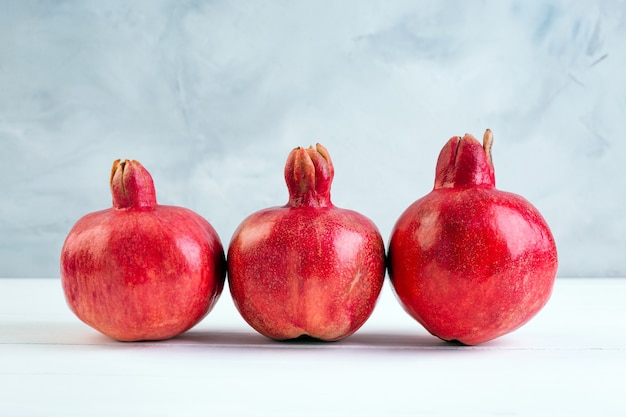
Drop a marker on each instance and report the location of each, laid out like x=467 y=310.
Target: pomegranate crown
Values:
x=464 y=162
x=309 y=174
x=131 y=185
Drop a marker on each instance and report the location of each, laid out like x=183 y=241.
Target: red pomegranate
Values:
x=140 y=270
x=307 y=268
x=468 y=261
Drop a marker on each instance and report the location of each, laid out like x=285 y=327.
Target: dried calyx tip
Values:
x=116 y=163
x=322 y=151
x=487 y=144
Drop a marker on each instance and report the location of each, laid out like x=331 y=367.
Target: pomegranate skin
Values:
x=467 y=261
x=307 y=268
x=139 y=270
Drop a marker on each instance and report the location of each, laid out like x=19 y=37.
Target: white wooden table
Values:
x=570 y=360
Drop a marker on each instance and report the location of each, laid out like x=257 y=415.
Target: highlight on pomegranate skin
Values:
x=140 y=270
x=468 y=261
x=308 y=268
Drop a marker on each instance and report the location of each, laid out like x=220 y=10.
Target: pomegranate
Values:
x=308 y=268
x=468 y=261
x=140 y=270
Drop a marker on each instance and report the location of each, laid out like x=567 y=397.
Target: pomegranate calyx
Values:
x=131 y=185
x=465 y=162
x=309 y=174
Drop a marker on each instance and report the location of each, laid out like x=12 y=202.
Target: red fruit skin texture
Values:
x=139 y=270
x=467 y=261
x=307 y=268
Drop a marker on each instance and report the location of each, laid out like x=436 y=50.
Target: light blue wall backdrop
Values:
x=211 y=96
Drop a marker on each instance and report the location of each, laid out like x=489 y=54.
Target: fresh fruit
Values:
x=140 y=270
x=307 y=268
x=468 y=261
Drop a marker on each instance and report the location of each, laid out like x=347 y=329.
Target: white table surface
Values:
x=570 y=360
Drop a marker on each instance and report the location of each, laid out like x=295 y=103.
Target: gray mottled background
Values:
x=211 y=97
